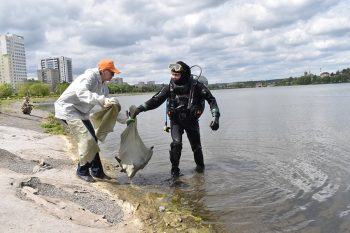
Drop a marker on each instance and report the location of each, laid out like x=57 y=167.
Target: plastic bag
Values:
x=133 y=154
x=104 y=120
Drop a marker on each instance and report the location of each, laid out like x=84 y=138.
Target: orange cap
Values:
x=107 y=64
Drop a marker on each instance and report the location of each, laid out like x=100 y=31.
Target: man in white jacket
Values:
x=74 y=107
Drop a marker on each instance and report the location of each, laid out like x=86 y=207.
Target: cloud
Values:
x=232 y=40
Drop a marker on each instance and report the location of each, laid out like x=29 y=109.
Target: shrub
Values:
x=53 y=126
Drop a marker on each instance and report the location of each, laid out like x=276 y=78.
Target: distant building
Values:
x=13 y=69
x=117 y=80
x=140 y=84
x=151 y=83
x=324 y=74
x=62 y=64
x=258 y=84
x=49 y=76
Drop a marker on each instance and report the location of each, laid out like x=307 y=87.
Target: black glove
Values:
x=136 y=112
x=214 y=124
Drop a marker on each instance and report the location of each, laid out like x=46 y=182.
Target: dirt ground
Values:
x=38 y=187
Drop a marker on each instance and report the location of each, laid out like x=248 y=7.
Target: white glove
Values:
x=122 y=117
x=107 y=102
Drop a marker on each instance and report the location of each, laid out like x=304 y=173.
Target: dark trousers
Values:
x=191 y=127
x=95 y=165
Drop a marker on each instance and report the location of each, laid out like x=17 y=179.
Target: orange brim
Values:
x=116 y=71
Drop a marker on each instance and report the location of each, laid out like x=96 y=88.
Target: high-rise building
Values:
x=49 y=76
x=62 y=64
x=13 y=69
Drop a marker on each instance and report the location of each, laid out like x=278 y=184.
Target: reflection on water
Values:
x=279 y=162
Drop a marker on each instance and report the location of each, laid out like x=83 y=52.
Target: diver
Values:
x=185 y=104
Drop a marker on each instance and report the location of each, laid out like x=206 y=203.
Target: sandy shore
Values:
x=38 y=187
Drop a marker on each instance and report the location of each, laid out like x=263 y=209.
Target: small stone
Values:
x=137 y=206
x=161 y=209
x=42 y=162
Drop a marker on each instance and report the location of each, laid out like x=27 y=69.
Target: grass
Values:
x=53 y=126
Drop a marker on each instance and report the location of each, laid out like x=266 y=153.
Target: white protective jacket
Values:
x=77 y=101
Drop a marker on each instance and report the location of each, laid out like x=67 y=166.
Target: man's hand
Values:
x=107 y=103
x=214 y=124
x=136 y=112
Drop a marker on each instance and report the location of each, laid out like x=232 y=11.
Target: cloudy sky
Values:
x=232 y=41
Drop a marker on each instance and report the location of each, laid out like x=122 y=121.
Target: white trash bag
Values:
x=133 y=154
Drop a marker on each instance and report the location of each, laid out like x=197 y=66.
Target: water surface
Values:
x=279 y=162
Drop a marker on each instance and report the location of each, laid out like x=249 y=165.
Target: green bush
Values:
x=5 y=90
x=39 y=89
x=53 y=126
x=60 y=88
x=33 y=88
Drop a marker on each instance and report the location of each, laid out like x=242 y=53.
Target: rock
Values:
x=137 y=206
x=161 y=209
x=41 y=166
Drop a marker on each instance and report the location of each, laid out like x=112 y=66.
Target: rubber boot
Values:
x=198 y=158
x=175 y=154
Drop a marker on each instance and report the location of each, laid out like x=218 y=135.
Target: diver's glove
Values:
x=137 y=111
x=129 y=121
x=214 y=124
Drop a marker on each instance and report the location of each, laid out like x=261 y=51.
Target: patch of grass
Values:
x=8 y=101
x=53 y=126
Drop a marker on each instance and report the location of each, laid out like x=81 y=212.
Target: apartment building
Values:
x=62 y=64
x=13 y=69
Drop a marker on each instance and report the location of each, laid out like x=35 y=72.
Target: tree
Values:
x=5 y=90
x=23 y=89
x=39 y=89
x=60 y=88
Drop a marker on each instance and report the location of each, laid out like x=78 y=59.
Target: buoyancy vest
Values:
x=185 y=102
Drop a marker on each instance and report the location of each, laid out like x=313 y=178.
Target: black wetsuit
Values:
x=185 y=105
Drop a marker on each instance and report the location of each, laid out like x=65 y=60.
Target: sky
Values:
x=237 y=40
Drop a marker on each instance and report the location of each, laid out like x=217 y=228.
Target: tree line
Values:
x=31 y=88
x=39 y=89
x=337 y=77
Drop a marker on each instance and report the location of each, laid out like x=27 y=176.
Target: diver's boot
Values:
x=175 y=154
x=198 y=158
x=175 y=172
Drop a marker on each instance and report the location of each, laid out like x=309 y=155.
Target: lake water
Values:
x=280 y=161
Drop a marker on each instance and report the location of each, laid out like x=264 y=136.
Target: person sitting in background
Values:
x=26 y=106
